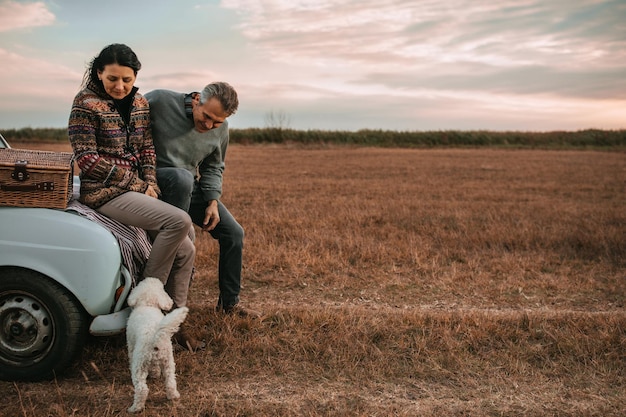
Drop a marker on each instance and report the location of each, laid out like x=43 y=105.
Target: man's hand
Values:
x=150 y=192
x=211 y=216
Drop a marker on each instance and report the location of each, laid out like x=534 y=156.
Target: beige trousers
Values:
x=171 y=230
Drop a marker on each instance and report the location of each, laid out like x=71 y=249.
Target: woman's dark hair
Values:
x=116 y=53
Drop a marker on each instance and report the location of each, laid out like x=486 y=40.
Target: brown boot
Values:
x=184 y=339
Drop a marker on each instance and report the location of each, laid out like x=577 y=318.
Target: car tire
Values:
x=42 y=326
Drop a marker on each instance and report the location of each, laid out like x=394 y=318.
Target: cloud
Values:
x=180 y=81
x=600 y=85
x=15 y=15
x=513 y=46
x=19 y=76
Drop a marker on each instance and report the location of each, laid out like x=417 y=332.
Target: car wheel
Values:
x=42 y=326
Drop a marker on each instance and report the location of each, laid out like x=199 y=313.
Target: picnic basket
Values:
x=30 y=178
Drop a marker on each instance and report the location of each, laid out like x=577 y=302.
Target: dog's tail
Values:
x=170 y=324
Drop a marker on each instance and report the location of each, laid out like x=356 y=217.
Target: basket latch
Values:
x=20 y=173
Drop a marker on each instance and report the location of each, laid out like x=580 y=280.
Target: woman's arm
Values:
x=147 y=154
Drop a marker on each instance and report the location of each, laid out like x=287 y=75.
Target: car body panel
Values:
x=79 y=254
x=110 y=324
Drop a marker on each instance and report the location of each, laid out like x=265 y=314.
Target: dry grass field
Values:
x=396 y=282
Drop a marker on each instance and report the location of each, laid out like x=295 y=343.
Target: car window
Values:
x=3 y=143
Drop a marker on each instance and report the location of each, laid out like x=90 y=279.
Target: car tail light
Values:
x=118 y=293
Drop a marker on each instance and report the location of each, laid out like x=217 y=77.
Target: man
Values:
x=190 y=135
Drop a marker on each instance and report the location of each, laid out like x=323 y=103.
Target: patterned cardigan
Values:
x=113 y=157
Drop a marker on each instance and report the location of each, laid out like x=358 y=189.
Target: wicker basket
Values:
x=35 y=178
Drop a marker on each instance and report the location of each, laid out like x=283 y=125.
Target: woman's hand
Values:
x=150 y=192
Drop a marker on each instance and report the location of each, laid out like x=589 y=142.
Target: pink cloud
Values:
x=14 y=15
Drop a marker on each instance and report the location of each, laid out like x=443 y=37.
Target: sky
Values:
x=407 y=65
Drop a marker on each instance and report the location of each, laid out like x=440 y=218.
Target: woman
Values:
x=109 y=129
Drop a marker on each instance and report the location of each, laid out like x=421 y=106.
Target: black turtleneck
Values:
x=124 y=106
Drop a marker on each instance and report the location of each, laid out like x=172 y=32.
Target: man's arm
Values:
x=211 y=169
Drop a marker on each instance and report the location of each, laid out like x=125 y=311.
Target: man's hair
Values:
x=224 y=92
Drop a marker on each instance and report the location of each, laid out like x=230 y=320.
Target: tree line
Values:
x=587 y=138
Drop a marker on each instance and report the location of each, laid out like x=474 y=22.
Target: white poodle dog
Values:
x=149 y=337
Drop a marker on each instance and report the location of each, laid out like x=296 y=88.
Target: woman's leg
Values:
x=173 y=253
x=177 y=285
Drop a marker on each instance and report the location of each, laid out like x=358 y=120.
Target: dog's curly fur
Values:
x=149 y=338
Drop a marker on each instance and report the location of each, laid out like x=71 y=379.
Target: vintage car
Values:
x=61 y=276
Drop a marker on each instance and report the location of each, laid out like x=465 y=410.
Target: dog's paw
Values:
x=173 y=395
x=135 y=408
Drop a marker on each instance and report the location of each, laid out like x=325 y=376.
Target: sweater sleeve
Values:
x=212 y=167
x=147 y=154
x=148 y=163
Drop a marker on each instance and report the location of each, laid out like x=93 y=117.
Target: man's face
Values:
x=209 y=115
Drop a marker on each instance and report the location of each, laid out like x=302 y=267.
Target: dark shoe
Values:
x=239 y=311
x=188 y=342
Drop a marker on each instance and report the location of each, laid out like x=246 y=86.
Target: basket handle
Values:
x=39 y=186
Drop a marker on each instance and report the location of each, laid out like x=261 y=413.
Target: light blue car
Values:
x=61 y=276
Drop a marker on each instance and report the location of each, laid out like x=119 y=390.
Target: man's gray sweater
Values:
x=178 y=144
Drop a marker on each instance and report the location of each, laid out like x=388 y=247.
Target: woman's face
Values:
x=118 y=80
